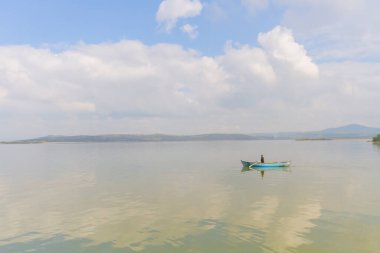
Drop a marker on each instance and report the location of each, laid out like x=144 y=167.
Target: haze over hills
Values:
x=348 y=131
x=351 y=129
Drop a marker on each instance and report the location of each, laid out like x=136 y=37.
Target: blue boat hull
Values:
x=265 y=165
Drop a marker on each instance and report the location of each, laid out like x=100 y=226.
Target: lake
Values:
x=190 y=197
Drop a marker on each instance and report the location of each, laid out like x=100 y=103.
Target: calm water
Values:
x=190 y=197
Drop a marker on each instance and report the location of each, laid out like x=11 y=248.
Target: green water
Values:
x=190 y=197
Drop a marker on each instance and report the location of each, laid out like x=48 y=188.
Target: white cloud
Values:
x=114 y=82
x=191 y=31
x=248 y=64
x=334 y=30
x=77 y=106
x=129 y=87
x=331 y=30
x=280 y=45
x=3 y=93
x=170 y=11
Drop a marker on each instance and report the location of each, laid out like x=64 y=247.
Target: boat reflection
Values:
x=262 y=170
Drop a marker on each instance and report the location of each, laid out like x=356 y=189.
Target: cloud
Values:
x=247 y=63
x=271 y=77
x=126 y=78
x=191 y=31
x=3 y=93
x=170 y=11
x=77 y=106
x=130 y=87
x=281 y=46
x=215 y=12
x=331 y=29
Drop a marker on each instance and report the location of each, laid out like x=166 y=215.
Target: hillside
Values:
x=348 y=131
x=134 y=138
x=352 y=129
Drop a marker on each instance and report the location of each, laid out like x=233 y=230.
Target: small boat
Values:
x=270 y=164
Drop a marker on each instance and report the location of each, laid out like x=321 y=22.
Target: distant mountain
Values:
x=348 y=131
x=354 y=129
x=351 y=131
x=134 y=138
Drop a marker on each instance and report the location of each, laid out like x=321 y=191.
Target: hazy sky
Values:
x=187 y=66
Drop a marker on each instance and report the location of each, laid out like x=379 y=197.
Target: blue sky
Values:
x=44 y=22
x=40 y=22
x=187 y=66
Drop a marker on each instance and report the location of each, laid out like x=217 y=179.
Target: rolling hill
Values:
x=348 y=131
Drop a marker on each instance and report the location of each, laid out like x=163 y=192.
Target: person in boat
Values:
x=262 y=159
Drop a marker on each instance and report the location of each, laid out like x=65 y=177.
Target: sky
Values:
x=71 y=67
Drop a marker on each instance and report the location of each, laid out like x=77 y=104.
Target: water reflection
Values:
x=81 y=206
x=113 y=202
x=262 y=171
x=78 y=206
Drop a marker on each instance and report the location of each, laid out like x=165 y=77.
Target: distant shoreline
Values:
x=348 y=132
x=179 y=140
x=315 y=139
